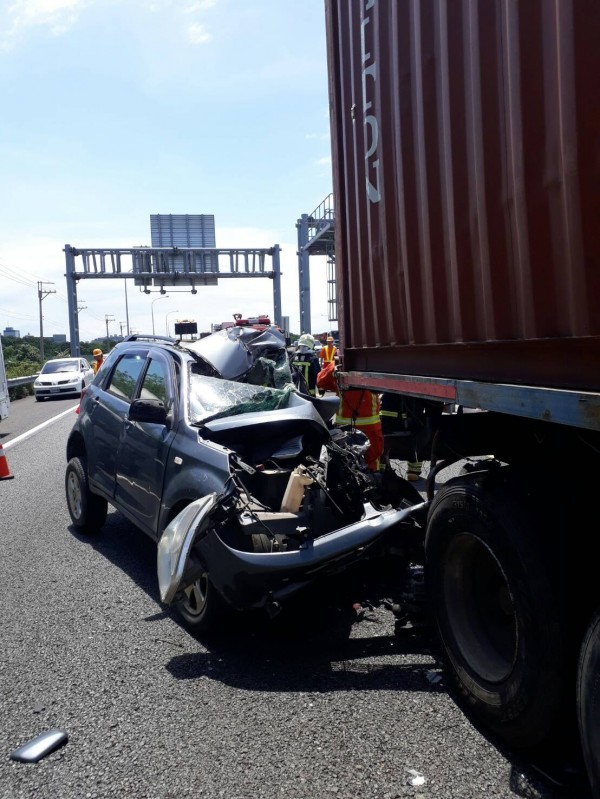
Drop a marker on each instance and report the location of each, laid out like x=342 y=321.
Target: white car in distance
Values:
x=62 y=377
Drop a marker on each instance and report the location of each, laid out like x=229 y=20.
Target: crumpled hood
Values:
x=233 y=352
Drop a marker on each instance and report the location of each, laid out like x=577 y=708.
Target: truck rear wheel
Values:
x=491 y=595
x=588 y=702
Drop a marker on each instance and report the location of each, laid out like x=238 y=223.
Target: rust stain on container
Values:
x=466 y=157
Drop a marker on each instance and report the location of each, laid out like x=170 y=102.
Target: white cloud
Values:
x=325 y=161
x=200 y=5
x=58 y=16
x=197 y=34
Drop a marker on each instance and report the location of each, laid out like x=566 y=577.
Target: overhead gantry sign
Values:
x=161 y=268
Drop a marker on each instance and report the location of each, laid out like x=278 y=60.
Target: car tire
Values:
x=86 y=509
x=203 y=610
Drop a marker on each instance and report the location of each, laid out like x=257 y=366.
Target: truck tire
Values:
x=588 y=702
x=496 y=614
x=87 y=510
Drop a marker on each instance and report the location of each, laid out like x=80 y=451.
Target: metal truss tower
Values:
x=316 y=236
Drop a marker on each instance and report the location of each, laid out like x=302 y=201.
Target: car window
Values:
x=51 y=367
x=156 y=382
x=125 y=376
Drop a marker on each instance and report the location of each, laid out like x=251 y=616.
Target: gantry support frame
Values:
x=167 y=267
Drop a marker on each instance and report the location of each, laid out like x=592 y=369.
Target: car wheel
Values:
x=203 y=609
x=87 y=510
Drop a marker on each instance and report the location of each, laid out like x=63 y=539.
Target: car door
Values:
x=87 y=373
x=144 y=446
x=106 y=410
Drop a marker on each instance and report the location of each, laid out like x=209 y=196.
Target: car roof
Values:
x=137 y=341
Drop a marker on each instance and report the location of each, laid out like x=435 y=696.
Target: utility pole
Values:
x=121 y=326
x=108 y=319
x=42 y=293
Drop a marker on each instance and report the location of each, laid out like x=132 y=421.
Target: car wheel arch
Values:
x=183 y=490
x=75 y=446
x=177 y=508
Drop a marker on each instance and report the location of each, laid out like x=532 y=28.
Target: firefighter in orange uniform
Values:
x=359 y=408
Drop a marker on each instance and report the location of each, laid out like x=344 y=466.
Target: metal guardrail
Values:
x=13 y=382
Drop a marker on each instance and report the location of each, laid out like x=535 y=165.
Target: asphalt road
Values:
x=329 y=702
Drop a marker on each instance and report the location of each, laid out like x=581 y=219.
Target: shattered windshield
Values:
x=213 y=398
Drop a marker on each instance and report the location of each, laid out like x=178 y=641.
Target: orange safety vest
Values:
x=327 y=354
x=358 y=407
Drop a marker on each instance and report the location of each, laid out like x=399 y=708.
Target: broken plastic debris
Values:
x=416 y=778
x=433 y=677
x=39 y=747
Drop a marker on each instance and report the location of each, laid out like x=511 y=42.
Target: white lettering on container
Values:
x=371 y=123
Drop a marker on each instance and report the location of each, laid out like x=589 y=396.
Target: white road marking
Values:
x=39 y=427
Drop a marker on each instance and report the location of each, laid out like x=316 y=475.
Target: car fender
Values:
x=186 y=479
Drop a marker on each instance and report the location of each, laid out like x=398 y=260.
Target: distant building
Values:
x=10 y=332
x=59 y=338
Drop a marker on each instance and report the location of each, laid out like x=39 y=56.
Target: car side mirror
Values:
x=148 y=410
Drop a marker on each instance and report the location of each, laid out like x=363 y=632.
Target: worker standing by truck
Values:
x=359 y=408
x=328 y=353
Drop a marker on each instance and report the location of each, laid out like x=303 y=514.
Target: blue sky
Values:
x=113 y=110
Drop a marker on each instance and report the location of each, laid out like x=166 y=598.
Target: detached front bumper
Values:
x=249 y=579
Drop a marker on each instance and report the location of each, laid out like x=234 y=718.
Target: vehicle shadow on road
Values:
x=339 y=637
x=128 y=548
x=338 y=623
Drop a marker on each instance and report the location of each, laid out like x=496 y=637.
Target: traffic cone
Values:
x=5 y=473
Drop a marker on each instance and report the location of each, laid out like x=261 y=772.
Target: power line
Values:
x=18 y=273
x=16 y=315
x=15 y=279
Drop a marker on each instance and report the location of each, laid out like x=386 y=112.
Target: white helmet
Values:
x=306 y=340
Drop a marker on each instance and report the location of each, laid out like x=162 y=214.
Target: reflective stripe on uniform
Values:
x=362 y=421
